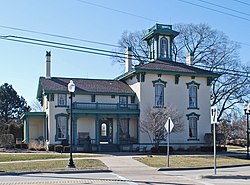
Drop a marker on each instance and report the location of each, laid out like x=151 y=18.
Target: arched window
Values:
x=104 y=129
x=163 y=48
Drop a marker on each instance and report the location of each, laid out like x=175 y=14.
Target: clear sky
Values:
x=23 y=64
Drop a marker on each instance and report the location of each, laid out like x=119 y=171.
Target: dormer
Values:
x=160 y=42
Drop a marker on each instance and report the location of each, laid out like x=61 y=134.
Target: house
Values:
x=109 y=111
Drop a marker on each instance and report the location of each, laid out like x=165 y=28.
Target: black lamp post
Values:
x=247 y=112
x=71 y=88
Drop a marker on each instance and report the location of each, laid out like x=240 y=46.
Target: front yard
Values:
x=49 y=162
x=184 y=161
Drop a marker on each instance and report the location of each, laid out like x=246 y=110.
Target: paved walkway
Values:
x=138 y=173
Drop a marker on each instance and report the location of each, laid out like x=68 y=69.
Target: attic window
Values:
x=62 y=100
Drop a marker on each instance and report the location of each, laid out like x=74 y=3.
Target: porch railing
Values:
x=104 y=106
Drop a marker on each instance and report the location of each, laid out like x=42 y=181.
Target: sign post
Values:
x=169 y=127
x=214 y=122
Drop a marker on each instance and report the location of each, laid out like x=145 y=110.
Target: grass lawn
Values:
x=191 y=161
x=25 y=157
x=81 y=164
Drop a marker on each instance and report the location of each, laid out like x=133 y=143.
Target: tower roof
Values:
x=160 y=29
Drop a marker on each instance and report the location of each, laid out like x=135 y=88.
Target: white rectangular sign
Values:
x=214 y=114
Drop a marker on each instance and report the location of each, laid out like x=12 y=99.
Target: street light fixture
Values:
x=247 y=112
x=71 y=89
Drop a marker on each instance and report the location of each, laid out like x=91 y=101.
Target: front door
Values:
x=106 y=131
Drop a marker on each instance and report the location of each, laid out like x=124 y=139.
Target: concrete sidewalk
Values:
x=138 y=173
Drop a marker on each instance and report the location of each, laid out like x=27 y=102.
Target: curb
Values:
x=56 y=172
x=201 y=168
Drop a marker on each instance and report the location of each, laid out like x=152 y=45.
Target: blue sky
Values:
x=23 y=64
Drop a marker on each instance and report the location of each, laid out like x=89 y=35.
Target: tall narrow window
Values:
x=163 y=48
x=193 y=95
x=62 y=100
x=61 y=126
x=193 y=127
x=124 y=128
x=159 y=95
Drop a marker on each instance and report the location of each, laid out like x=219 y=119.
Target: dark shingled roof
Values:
x=85 y=85
x=176 y=67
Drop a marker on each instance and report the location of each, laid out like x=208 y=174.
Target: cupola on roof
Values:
x=160 y=42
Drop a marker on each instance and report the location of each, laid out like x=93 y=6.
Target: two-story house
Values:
x=109 y=111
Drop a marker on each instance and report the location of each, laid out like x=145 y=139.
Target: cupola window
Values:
x=163 y=48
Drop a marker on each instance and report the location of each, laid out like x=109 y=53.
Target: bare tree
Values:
x=156 y=118
x=36 y=106
x=134 y=41
x=213 y=51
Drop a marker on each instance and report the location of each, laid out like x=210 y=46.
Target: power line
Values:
x=119 y=11
x=242 y=2
x=101 y=52
x=58 y=36
x=218 y=11
x=243 y=13
x=59 y=45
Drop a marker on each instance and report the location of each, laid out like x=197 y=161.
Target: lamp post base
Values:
x=71 y=164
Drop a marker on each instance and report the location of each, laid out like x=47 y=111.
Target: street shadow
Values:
x=115 y=180
x=243 y=177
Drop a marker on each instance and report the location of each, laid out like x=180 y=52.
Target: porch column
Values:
x=45 y=128
x=26 y=139
x=118 y=129
x=97 y=129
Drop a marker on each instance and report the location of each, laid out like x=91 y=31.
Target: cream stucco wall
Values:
x=176 y=95
x=86 y=125
x=36 y=128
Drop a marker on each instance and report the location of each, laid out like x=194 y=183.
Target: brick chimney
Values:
x=48 y=65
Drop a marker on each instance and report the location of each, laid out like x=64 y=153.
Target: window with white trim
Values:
x=62 y=99
x=61 y=126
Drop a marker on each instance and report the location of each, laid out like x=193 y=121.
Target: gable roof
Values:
x=170 y=67
x=83 y=86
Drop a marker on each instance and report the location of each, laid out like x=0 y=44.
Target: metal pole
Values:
x=247 y=136
x=71 y=162
x=214 y=149
x=168 y=140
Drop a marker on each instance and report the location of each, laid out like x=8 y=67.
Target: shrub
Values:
x=58 y=148
x=37 y=145
x=7 y=140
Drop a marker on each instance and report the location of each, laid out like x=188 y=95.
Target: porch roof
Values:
x=33 y=115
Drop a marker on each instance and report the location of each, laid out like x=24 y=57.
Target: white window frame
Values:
x=62 y=100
